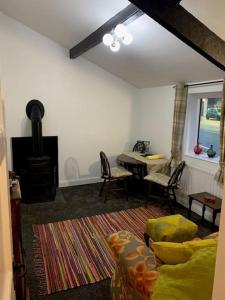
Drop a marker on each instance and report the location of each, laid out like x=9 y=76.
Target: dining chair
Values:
x=139 y=147
x=168 y=184
x=110 y=175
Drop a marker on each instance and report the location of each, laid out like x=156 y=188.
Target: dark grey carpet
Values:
x=70 y=203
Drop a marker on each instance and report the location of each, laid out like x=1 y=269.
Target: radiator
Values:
x=195 y=180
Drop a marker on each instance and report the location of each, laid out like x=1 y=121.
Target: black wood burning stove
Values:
x=39 y=174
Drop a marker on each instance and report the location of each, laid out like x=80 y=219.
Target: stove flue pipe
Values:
x=35 y=112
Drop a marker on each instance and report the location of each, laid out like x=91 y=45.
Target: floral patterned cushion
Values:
x=136 y=272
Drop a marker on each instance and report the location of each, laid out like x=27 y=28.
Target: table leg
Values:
x=189 y=209
x=203 y=213
x=140 y=173
x=214 y=218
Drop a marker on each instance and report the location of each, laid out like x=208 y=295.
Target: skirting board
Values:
x=79 y=181
x=196 y=207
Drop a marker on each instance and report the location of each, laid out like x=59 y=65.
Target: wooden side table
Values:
x=207 y=200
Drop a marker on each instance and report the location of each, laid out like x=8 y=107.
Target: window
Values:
x=202 y=123
x=209 y=124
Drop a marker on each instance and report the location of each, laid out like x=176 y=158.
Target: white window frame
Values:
x=195 y=94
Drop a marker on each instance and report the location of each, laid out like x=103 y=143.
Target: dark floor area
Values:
x=75 y=202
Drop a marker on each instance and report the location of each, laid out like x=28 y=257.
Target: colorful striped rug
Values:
x=73 y=253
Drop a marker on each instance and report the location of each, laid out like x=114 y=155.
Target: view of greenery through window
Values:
x=209 y=124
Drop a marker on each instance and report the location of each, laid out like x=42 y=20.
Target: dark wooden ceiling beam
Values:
x=125 y=16
x=186 y=27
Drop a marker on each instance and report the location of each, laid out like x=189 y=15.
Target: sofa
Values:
x=141 y=275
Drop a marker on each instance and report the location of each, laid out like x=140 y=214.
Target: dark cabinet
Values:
x=19 y=267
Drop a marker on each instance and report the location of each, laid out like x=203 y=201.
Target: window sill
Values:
x=204 y=157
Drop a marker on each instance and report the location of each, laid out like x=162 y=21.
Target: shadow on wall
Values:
x=128 y=147
x=112 y=160
x=95 y=169
x=71 y=169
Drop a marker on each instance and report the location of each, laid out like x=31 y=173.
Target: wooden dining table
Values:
x=138 y=163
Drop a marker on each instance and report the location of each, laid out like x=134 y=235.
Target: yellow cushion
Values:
x=155 y=156
x=175 y=228
x=199 y=244
x=172 y=253
x=192 y=280
x=117 y=172
x=175 y=253
x=214 y=236
x=159 y=178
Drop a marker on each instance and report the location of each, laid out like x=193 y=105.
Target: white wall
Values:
x=154 y=118
x=86 y=107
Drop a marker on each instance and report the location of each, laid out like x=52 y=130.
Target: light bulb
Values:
x=107 y=39
x=120 y=30
x=127 y=39
x=115 y=47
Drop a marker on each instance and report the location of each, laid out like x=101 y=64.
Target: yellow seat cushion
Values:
x=199 y=244
x=118 y=172
x=192 y=280
x=175 y=253
x=175 y=228
x=158 y=178
x=172 y=253
x=214 y=236
x=155 y=156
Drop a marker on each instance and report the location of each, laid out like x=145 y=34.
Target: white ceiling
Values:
x=64 y=21
x=156 y=57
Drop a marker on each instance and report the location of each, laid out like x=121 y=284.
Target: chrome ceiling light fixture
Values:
x=117 y=36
